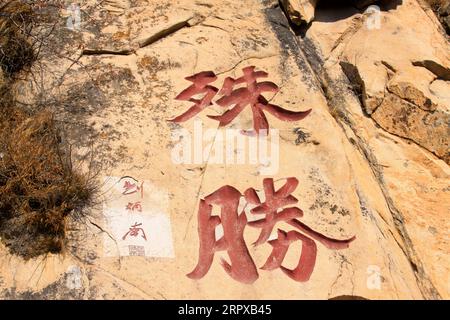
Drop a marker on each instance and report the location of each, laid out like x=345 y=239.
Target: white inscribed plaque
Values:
x=137 y=219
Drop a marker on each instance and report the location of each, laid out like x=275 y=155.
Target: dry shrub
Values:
x=40 y=190
x=38 y=186
x=16 y=52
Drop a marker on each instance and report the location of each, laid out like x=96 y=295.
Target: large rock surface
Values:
x=371 y=158
x=389 y=91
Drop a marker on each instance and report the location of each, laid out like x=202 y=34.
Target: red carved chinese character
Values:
x=134 y=231
x=252 y=95
x=199 y=86
x=131 y=206
x=242 y=268
x=305 y=266
x=275 y=200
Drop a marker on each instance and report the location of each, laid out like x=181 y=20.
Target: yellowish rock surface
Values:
x=364 y=169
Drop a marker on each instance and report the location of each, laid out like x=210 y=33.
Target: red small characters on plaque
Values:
x=242 y=267
x=134 y=206
x=132 y=187
x=134 y=231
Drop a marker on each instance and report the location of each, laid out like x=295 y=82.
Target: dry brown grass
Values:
x=16 y=52
x=39 y=187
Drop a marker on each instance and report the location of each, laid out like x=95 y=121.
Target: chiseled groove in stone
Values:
x=144 y=43
x=164 y=33
x=97 y=52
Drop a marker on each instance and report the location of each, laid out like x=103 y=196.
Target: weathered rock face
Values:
x=300 y=11
x=397 y=85
x=407 y=103
x=368 y=158
x=303 y=11
x=402 y=88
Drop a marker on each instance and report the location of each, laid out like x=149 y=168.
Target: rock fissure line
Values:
x=165 y=33
x=242 y=61
x=98 y=52
x=357 y=23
